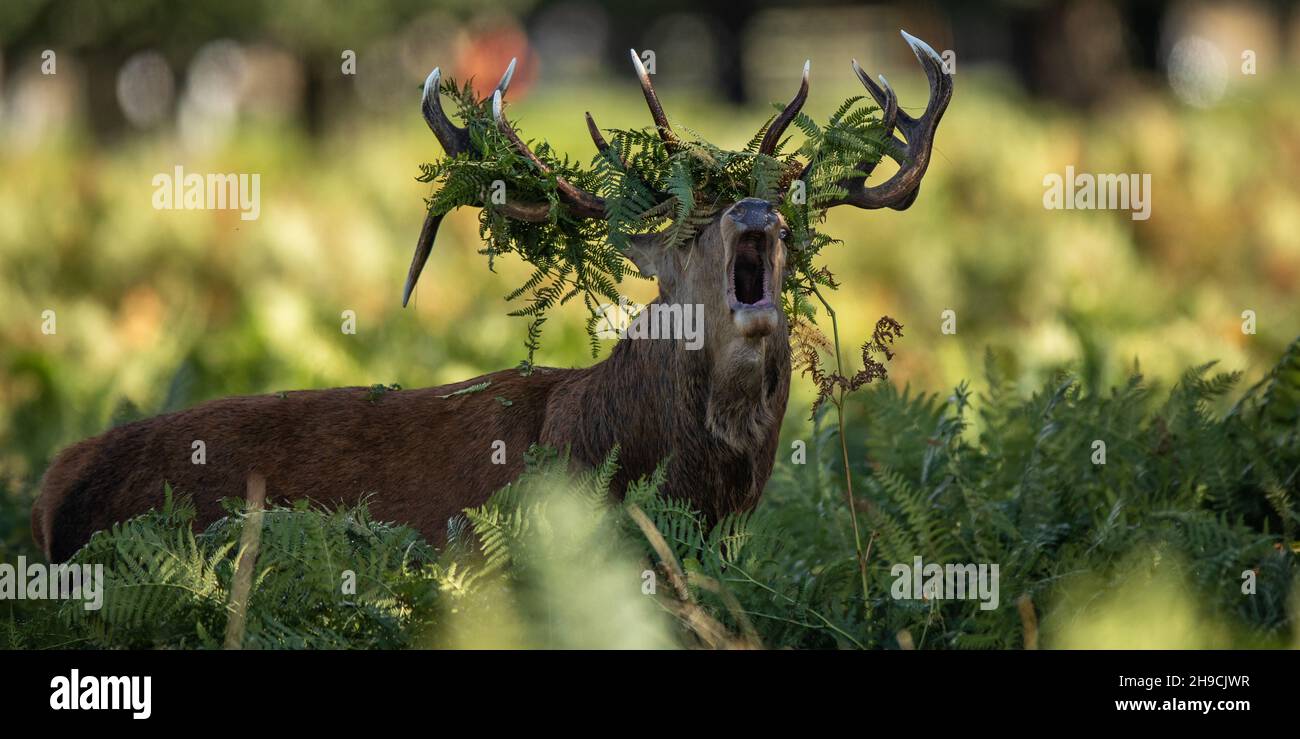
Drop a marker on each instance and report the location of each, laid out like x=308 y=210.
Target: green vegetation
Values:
x=1183 y=504
x=648 y=187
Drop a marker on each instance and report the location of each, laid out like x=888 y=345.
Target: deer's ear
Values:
x=647 y=253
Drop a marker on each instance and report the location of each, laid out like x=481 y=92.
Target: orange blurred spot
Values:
x=139 y=317
x=484 y=58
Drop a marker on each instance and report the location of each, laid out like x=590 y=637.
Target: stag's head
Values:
x=735 y=267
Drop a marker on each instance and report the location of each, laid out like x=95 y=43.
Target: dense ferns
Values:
x=1193 y=491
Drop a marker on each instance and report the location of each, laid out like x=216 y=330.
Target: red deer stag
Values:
x=426 y=455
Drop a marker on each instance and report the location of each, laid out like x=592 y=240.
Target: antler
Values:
x=581 y=203
x=897 y=192
x=652 y=100
x=601 y=144
x=782 y=121
x=455 y=140
x=900 y=190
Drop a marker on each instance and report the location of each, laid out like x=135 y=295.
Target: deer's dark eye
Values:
x=785 y=234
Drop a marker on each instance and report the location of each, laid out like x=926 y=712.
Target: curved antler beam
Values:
x=782 y=121
x=454 y=139
x=900 y=190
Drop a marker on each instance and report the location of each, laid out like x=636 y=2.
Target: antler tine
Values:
x=423 y=248
x=454 y=139
x=601 y=144
x=504 y=84
x=652 y=100
x=782 y=121
x=534 y=212
x=605 y=149
x=900 y=190
x=940 y=83
x=580 y=202
x=885 y=97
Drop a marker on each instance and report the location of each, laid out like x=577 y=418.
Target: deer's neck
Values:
x=733 y=396
x=714 y=415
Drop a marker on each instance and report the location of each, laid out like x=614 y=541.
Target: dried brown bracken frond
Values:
x=807 y=342
x=887 y=329
x=824 y=276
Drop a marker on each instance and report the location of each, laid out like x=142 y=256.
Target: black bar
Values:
x=927 y=689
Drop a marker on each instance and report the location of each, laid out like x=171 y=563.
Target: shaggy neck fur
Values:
x=714 y=414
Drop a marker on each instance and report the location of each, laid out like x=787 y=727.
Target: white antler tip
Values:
x=509 y=75
x=636 y=61
x=919 y=47
x=496 y=106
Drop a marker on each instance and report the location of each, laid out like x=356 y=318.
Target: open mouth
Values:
x=750 y=276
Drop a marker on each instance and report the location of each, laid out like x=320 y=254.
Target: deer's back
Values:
x=423 y=455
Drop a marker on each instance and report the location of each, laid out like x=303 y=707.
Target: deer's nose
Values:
x=752 y=213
